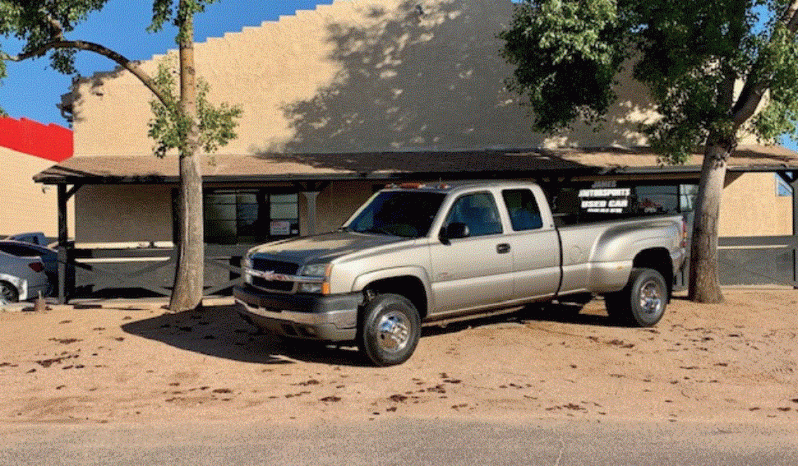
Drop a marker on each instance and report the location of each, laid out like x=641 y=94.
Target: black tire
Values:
x=642 y=302
x=8 y=294
x=389 y=330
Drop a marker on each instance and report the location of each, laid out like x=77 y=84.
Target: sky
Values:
x=32 y=89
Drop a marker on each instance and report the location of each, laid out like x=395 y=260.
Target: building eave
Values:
x=516 y=163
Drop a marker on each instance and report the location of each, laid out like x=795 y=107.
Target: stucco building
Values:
x=338 y=101
x=27 y=148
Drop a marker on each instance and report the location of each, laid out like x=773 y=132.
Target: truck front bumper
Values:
x=316 y=317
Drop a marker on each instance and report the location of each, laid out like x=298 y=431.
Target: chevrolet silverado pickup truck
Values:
x=416 y=254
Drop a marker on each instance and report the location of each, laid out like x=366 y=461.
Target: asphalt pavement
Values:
x=401 y=442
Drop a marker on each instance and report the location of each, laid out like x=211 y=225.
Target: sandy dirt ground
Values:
x=134 y=362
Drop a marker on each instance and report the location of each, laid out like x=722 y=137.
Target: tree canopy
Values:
x=712 y=69
x=186 y=122
x=690 y=55
x=169 y=127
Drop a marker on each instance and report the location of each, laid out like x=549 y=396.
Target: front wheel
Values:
x=642 y=302
x=8 y=294
x=390 y=330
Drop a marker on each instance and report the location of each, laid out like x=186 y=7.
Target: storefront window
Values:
x=657 y=199
x=782 y=187
x=249 y=216
x=687 y=196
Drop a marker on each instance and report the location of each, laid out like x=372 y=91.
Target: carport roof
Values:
x=397 y=165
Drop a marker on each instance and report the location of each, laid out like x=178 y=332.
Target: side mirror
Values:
x=454 y=230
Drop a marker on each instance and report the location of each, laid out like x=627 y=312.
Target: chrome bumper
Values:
x=328 y=318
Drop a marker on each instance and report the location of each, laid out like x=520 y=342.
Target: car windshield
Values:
x=398 y=213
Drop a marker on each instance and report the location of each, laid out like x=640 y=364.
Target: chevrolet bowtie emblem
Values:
x=272 y=276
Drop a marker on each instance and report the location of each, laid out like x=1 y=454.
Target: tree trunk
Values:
x=704 y=285
x=189 y=275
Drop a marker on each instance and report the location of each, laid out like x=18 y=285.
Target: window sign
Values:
x=604 y=197
x=280 y=228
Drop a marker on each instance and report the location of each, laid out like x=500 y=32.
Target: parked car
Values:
x=35 y=237
x=48 y=256
x=22 y=278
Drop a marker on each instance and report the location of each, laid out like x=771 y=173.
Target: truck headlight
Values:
x=315 y=270
x=318 y=282
x=316 y=288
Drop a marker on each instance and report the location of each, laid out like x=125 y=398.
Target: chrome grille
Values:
x=277 y=267
x=272 y=284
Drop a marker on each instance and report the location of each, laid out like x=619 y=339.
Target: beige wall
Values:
x=750 y=207
x=26 y=206
x=143 y=213
x=118 y=214
x=339 y=201
x=360 y=75
x=357 y=75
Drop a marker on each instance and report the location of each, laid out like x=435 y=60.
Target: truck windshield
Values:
x=398 y=213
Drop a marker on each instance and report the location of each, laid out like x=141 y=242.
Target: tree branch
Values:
x=58 y=29
x=99 y=49
x=726 y=89
x=790 y=17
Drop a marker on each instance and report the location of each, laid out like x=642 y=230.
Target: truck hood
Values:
x=325 y=247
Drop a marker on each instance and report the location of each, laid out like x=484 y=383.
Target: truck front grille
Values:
x=277 y=267
x=284 y=268
x=273 y=285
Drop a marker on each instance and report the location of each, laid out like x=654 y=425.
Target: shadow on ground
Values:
x=548 y=312
x=220 y=332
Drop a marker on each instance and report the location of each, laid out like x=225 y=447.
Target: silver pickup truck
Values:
x=424 y=253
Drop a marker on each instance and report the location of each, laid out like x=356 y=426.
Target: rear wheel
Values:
x=390 y=330
x=8 y=294
x=642 y=302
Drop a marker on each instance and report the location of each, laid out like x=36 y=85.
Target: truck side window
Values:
x=479 y=212
x=523 y=210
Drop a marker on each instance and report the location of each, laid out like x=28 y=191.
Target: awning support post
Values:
x=63 y=237
x=310 y=197
x=311 y=190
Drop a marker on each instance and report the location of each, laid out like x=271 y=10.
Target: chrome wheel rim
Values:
x=651 y=298
x=393 y=332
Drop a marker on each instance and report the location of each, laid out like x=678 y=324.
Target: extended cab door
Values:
x=476 y=270
x=534 y=243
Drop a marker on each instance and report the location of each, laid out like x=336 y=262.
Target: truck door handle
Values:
x=503 y=248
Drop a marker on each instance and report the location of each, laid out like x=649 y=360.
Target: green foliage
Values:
x=780 y=116
x=689 y=54
x=164 y=11
x=38 y=22
x=170 y=126
x=566 y=56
